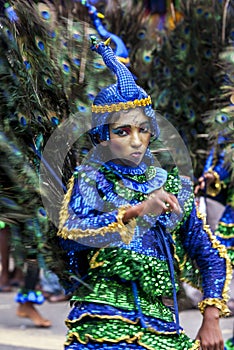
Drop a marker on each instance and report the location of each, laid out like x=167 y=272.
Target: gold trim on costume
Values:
x=183 y=263
x=88 y=337
x=121 y=318
x=93 y=263
x=214 y=189
x=226 y=225
x=196 y=346
x=123 y=60
x=126 y=231
x=129 y=339
x=63 y=215
x=116 y=107
x=221 y=235
x=112 y=317
x=221 y=304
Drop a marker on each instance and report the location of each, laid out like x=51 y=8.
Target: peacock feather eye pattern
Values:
x=191 y=70
x=66 y=67
x=222 y=118
x=177 y=106
x=48 y=80
x=40 y=44
x=23 y=119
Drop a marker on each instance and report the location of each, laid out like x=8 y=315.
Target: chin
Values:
x=127 y=162
x=132 y=163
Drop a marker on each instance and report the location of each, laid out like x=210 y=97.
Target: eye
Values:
x=145 y=129
x=121 y=132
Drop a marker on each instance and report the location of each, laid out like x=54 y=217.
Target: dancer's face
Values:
x=129 y=137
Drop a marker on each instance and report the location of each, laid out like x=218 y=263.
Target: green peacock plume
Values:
x=48 y=76
x=185 y=77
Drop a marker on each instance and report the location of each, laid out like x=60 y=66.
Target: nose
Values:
x=136 y=141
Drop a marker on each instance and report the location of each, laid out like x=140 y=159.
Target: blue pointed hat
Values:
x=124 y=94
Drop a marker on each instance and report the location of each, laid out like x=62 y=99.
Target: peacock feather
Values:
x=48 y=76
x=220 y=120
x=185 y=78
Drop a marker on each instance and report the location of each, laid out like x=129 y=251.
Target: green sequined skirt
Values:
x=108 y=315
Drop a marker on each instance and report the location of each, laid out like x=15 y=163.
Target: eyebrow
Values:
x=129 y=125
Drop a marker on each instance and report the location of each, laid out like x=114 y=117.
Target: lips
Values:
x=136 y=154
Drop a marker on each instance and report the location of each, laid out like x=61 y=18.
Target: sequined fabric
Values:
x=104 y=345
x=117 y=330
x=33 y=296
x=162 y=344
x=85 y=324
x=127 y=281
x=216 y=163
x=225 y=231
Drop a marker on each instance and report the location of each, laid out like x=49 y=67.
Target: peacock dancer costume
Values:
x=222 y=191
x=121 y=273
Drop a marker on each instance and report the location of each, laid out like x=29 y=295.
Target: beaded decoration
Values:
x=116 y=107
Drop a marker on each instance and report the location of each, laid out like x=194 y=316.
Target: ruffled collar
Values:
x=143 y=178
x=127 y=170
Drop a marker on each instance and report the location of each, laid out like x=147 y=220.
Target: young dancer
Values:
x=130 y=231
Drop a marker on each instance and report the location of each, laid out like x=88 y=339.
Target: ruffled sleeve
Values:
x=210 y=258
x=87 y=218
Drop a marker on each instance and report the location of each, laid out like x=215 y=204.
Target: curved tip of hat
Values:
x=107 y=42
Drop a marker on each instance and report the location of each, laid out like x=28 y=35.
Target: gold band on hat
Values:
x=116 y=107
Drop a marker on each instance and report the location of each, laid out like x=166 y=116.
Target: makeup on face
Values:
x=129 y=137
